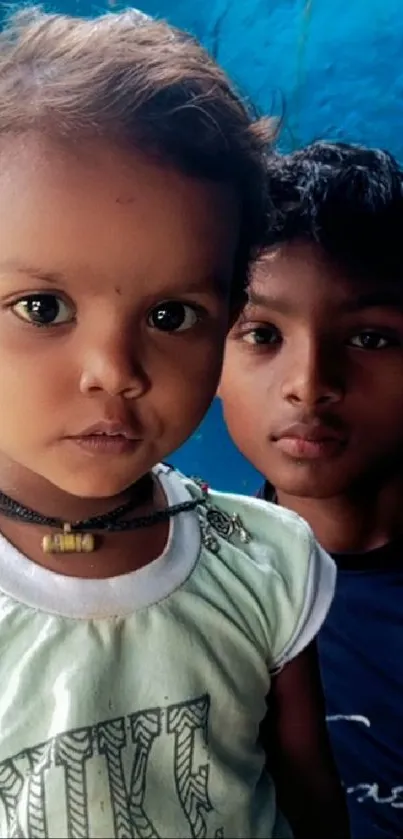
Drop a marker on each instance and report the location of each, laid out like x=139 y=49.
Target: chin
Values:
x=301 y=482
x=100 y=477
x=309 y=490
x=94 y=486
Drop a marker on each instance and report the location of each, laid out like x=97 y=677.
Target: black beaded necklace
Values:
x=76 y=537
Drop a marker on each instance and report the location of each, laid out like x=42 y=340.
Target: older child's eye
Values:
x=262 y=335
x=372 y=340
x=43 y=310
x=173 y=316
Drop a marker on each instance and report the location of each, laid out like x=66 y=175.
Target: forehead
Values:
x=104 y=209
x=300 y=277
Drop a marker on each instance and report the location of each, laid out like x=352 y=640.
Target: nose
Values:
x=313 y=376
x=113 y=367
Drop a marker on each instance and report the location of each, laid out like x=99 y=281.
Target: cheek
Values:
x=245 y=380
x=182 y=402
x=33 y=382
x=375 y=390
x=242 y=405
x=378 y=417
x=186 y=378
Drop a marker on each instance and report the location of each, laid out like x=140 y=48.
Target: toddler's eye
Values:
x=262 y=335
x=43 y=310
x=173 y=316
x=371 y=340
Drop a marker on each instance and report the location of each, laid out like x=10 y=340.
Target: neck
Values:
x=40 y=495
x=119 y=553
x=361 y=520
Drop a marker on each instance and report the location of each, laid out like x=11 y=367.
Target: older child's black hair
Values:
x=347 y=199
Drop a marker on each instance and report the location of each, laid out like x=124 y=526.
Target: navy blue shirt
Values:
x=361 y=658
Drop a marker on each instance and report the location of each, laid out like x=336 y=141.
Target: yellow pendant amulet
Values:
x=68 y=542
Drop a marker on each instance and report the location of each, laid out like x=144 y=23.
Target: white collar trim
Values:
x=72 y=597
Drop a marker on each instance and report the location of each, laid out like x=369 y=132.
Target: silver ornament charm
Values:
x=227 y=526
x=212 y=519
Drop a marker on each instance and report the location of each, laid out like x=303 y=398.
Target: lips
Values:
x=107 y=437
x=109 y=429
x=309 y=441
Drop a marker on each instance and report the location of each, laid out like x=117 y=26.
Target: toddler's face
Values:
x=312 y=381
x=114 y=281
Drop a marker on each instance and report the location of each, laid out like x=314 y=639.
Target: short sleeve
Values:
x=280 y=579
x=319 y=592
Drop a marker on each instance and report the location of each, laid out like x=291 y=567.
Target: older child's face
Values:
x=114 y=280
x=312 y=386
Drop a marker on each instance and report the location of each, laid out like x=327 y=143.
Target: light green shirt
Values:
x=130 y=707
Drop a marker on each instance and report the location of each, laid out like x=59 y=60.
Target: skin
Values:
x=314 y=346
x=111 y=236
x=108 y=236
x=299 y=752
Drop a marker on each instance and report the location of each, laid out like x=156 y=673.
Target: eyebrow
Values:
x=277 y=304
x=210 y=284
x=203 y=286
x=383 y=299
x=29 y=270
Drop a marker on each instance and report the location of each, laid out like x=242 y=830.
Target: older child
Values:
x=144 y=621
x=313 y=397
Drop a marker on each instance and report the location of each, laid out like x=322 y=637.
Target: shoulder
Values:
x=269 y=524
x=265 y=524
x=272 y=553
